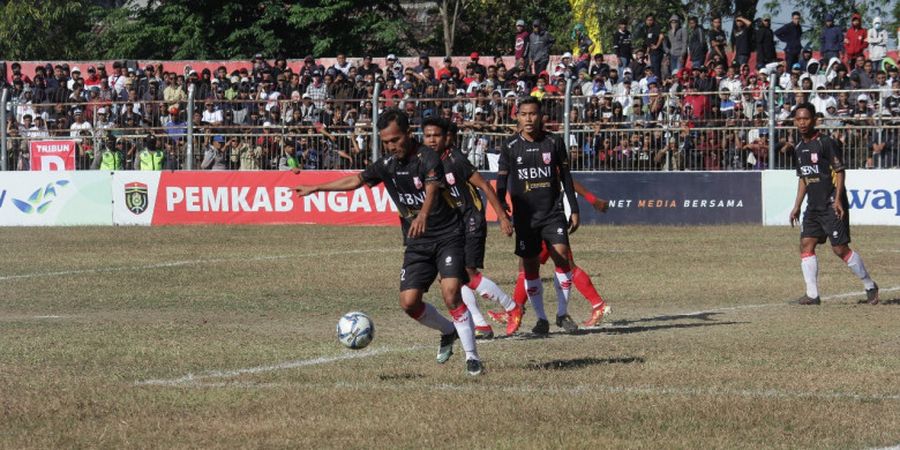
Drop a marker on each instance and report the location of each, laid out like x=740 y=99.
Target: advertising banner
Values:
x=52 y=155
x=673 y=198
x=55 y=198
x=244 y=198
x=874 y=196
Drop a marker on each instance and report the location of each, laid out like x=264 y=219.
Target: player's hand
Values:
x=296 y=170
x=839 y=210
x=506 y=226
x=303 y=191
x=601 y=205
x=573 y=223
x=416 y=228
x=795 y=216
x=505 y=207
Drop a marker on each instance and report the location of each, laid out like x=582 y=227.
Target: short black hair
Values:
x=434 y=121
x=393 y=115
x=807 y=106
x=530 y=101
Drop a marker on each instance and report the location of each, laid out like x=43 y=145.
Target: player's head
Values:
x=393 y=128
x=436 y=133
x=805 y=118
x=530 y=115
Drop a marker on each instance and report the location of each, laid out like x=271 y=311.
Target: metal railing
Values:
x=747 y=130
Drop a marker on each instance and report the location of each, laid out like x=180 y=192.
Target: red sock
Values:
x=519 y=294
x=458 y=312
x=584 y=285
x=474 y=281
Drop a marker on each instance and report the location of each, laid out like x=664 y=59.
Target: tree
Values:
x=816 y=10
x=43 y=30
x=450 y=11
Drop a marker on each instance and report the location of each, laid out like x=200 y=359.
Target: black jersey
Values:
x=457 y=171
x=405 y=182
x=817 y=161
x=538 y=172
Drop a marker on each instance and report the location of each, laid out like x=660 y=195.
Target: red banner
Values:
x=52 y=155
x=266 y=197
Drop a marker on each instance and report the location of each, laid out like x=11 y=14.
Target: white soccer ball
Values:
x=355 y=330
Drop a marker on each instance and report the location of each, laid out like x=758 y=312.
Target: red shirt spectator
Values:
x=855 y=39
x=92 y=79
x=521 y=39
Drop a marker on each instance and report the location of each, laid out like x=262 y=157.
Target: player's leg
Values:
x=839 y=233
x=480 y=284
x=482 y=329
x=555 y=234
x=528 y=248
x=812 y=233
x=416 y=277
x=450 y=260
x=582 y=282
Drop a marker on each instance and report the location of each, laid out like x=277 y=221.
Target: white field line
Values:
x=896 y=447
x=765 y=305
x=192 y=262
x=577 y=390
x=224 y=374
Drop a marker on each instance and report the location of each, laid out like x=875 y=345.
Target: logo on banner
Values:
x=450 y=178
x=546 y=157
x=52 y=155
x=814 y=157
x=136 y=197
x=39 y=200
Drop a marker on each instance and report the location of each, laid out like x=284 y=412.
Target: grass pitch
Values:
x=224 y=337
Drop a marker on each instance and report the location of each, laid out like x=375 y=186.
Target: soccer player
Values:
x=462 y=181
x=580 y=278
x=820 y=168
x=432 y=232
x=534 y=166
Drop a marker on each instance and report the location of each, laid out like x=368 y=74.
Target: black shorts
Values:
x=528 y=238
x=476 y=238
x=423 y=262
x=824 y=224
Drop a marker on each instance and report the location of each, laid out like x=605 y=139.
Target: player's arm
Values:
x=801 y=193
x=837 y=165
x=348 y=183
x=568 y=185
x=417 y=226
x=599 y=204
x=503 y=177
x=478 y=181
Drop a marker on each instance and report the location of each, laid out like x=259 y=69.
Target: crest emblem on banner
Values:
x=450 y=178
x=814 y=157
x=546 y=157
x=136 y=197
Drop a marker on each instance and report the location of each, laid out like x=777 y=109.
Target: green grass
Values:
x=138 y=304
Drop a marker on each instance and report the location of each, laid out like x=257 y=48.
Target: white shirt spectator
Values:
x=214 y=116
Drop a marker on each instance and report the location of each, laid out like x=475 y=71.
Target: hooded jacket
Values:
x=677 y=40
x=878 y=39
x=855 y=40
x=812 y=70
x=832 y=40
x=831 y=69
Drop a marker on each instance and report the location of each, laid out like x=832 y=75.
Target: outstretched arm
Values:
x=478 y=181
x=598 y=203
x=348 y=183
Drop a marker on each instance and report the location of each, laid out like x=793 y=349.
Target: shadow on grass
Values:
x=893 y=301
x=578 y=363
x=400 y=376
x=616 y=330
x=699 y=316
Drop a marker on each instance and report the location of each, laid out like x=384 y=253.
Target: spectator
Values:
x=696 y=43
x=791 y=34
x=718 y=41
x=765 y=42
x=539 y=43
x=831 y=39
x=622 y=45
x=855 y=39
x=216 y=155
x=676 y=43
x=878 y=40
x=342 y=64
x=520 y=47
x=474 y=58
x=742 y=43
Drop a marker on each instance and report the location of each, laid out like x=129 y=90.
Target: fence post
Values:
x=376 y=147
x=3 y=143
x=568 y=107
x=189 y=150
x=773 y=78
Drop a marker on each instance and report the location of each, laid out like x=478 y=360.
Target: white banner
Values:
x=55 y=198
x=874 y=196
x=134 y=197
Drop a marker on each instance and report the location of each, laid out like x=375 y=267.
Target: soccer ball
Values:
x=355 y=330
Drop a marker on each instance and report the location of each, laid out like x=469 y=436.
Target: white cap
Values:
x=75 y=69
x=391 y=56
x=101 y=111
x=305 y=95
x=510 y=94
x=877 y=20
x=862 y=98
x=267 y=124
x=460 y=91
x=566 y=55
x=479 y=111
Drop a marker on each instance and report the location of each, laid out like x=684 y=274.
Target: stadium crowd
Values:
x=670 y=97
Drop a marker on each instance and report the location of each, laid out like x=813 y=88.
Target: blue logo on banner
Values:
x=39 y=201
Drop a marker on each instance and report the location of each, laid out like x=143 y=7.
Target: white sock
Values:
x=535 y=290
x=468 y=297
x=855 y=263
x=462 y=320
x=431 y=318
x=563 y=287
x=488 y=289
x=810 y=266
